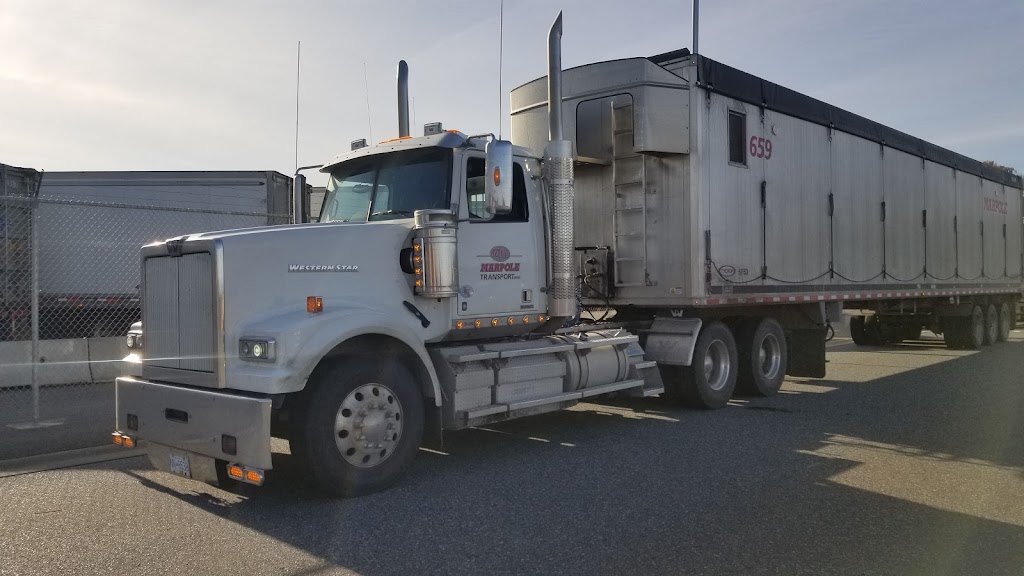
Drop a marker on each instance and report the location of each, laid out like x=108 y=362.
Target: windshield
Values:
x=388 y=186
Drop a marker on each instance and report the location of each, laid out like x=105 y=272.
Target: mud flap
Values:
x=806 y=352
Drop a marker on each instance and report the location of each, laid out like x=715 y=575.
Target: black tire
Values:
x=953 y=332
x=1005 y=321
x=313 y=435
x=911 y=332
x=857 y=331
x=974 y=329
x=991 y=325
x=761 y=349
x=698 y=386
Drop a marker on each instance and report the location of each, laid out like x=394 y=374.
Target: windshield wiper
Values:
x=406 y=213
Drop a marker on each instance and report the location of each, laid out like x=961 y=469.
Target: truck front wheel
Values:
x=358 y=425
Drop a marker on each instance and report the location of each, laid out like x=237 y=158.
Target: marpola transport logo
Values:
x=500 y=268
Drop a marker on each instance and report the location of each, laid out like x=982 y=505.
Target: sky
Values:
x=211 y=84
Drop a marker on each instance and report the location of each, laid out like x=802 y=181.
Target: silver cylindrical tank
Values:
x=435 y=253
x=594 y=366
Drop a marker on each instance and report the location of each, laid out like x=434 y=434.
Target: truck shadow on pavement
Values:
x=918 y=471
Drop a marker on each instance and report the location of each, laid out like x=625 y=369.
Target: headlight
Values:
x=130 y=340
x=256 y=349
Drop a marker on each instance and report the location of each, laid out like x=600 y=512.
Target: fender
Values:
x=303 y=340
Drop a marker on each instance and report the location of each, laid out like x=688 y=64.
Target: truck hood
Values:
x=268 y=273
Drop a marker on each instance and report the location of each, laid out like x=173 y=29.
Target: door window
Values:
x=476 y=198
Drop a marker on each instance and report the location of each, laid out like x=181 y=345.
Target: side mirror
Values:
x=498 y=178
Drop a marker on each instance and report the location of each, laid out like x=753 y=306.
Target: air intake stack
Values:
x=403 y=98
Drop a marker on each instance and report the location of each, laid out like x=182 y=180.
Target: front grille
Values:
x=178 y=313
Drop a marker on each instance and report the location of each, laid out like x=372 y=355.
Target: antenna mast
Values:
x=366 y=90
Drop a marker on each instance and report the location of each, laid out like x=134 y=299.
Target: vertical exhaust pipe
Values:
x=555 y=79
x=558 y=160
x=696 y=24
x=403 y=98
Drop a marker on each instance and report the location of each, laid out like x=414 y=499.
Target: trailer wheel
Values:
x=911 y=332
x=857 y=332
x=867 y=331
x=1005 y=322
x=974 y=329
x=761 y=348
x=709 y=381
x=359 y=425
x=991 y=325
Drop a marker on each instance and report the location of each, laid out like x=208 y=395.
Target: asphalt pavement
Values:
x=70 y=417
x=906 y=460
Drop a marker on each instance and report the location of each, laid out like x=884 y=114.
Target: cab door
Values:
x=501 y=257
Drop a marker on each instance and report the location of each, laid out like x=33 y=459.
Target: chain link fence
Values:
x=69 y=292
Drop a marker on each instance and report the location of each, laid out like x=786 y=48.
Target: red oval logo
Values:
x=500 y=254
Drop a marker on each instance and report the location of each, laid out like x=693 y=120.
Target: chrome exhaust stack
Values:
x=558 y=163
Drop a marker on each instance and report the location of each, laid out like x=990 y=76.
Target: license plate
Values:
x=179 y=465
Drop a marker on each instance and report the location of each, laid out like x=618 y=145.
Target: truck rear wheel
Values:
x=358 y=426
x=991 y=324
x=761 y=348
x=1005 y=321
x=709 y=381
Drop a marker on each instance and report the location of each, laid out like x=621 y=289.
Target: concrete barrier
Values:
x=67 y=361
x=105 y=356
x=63 y=361
x=15 y=364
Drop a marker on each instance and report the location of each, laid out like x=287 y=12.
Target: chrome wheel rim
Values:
x=769 y=356
x=716 y=365
x=368 y=425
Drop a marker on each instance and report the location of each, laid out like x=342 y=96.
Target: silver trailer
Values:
x=714 y=225
x=711 y=192
x=92 y=223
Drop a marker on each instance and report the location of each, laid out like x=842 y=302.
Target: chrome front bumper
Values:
x=195 y=421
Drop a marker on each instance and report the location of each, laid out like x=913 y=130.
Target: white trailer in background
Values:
x=723 y=219
x=91 y=225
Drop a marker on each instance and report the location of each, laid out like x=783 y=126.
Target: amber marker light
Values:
x=314 y=304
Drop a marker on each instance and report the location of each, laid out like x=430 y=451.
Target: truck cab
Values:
x=420 y=302
x=502 y=261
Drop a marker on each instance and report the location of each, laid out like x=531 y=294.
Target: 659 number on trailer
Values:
x=761 y=147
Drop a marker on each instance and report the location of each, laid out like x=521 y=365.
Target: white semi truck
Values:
x=664 y=225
